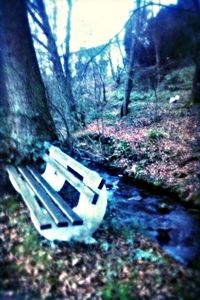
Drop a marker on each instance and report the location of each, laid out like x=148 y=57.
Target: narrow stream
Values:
x=171 y=225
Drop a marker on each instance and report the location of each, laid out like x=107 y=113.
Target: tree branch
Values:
x=32 y=6
x=39 y=41
x=37 y=21
x=173 y=7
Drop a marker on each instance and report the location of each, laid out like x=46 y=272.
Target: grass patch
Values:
x=156 y=134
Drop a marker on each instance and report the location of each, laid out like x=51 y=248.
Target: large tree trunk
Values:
x=196 y=78
x=29 y=118
x=4 y=106
x=4 y=130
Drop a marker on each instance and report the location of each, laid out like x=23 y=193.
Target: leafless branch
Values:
x=39 y=41
x=174 y=7
x=31 y=5
x=111 y=41
x=37 y=21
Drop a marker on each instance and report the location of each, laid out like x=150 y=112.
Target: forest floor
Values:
x=157 y=142
x=122 y=265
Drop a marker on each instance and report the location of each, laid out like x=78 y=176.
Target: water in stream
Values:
x=171 y=225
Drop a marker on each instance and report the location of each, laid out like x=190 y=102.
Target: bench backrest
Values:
x=63 y=167
x=87 y=176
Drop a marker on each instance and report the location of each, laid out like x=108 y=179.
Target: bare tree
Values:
x=62 y=74
x=135 y=23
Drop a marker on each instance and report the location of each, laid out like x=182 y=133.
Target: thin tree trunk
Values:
x=196 y=82
x=29 y=118
x=66 y=61
x=51 y=44
x=129 y=80
x=130 y=72
x=63 y=79
x=120 y=49
x=157 y=55
x=128 y=88
x=111 y=67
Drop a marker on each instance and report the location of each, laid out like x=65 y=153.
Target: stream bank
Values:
x=156 y=212
x=158 y=217
x=182 y=184
x=163 y=152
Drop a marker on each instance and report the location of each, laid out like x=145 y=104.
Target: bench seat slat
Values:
x=74 y=219
x=43 y=220
x=45 y=199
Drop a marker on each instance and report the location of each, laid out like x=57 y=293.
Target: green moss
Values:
x=156 y=134
x=111 y=115
x=157 y=183
x=180 y=78
x=123 y=148
x=11 y=205
x=139 y=170
x=119 y=291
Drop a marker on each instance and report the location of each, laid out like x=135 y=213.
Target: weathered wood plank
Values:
x=45 y=199
x=43 y=220
x=90 y=178
x=73 y=218
x=74 y=181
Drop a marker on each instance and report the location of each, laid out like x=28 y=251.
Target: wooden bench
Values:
x=51 y=214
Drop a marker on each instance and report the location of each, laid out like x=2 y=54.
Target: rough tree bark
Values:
x=196 y=77
x=4 y=107
x=29 y=119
